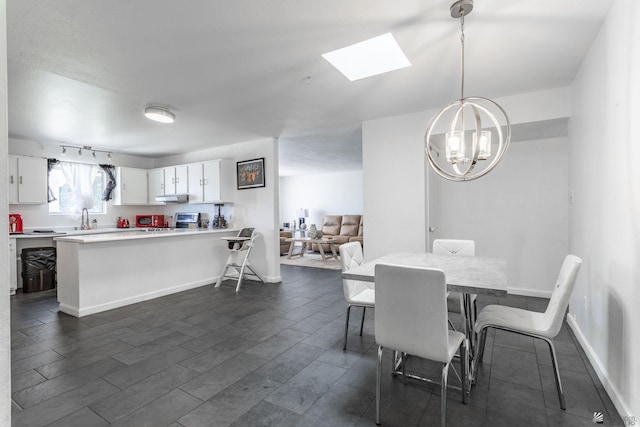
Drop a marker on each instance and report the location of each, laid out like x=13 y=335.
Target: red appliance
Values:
x=123 y=222
x=15 y=223
x=155 y=221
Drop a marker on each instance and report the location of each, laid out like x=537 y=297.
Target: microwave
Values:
x=154 y=221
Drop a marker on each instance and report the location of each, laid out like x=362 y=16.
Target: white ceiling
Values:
x=81 y=72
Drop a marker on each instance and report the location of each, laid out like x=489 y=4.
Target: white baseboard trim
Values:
x=530 y=292
x=98 y=308
x=611 y=389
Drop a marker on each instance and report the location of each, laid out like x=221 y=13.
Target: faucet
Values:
x=84 y=225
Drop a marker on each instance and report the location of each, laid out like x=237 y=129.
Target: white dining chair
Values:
x=357 y=293
x=544 y=326
x=238 y=260
x=455 y=302
x=411 y=317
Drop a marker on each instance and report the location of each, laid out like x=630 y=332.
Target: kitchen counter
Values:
x=32 y=234
x=138 y=233
x=102 y=271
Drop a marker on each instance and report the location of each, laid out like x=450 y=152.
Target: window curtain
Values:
x=79 y=177
x=110 y=172
x=51 y=163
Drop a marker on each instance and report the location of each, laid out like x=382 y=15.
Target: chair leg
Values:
x=404 y=367
x=483 y=341
x=556 y=371
x=346 y=328
x=443 y=396
x=364 y=309
x=464 y=363
x=378 y=384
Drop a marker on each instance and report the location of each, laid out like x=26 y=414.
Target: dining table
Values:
x=463 y=273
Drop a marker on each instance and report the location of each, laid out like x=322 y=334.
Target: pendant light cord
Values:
x=462 y=52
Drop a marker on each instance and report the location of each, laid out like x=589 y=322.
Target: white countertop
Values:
x=137 y=233
x=52 y=232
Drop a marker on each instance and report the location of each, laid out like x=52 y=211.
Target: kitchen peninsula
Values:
x=99 y=272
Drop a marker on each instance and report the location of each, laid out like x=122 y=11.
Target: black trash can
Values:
x=38 y=269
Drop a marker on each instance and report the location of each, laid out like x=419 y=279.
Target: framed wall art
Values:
x=250 y=174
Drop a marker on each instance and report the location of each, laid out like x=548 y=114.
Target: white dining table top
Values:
x=466 y=274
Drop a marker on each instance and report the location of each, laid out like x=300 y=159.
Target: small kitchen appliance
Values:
x=122 y=223
x=218 y=220
x=155 y=221
x=15 y=223
x=188 y=220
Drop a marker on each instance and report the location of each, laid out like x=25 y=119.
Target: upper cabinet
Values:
x=131 y=186
x=27 y=180
x=176 y=180
x=211 y=182
x=156 y=185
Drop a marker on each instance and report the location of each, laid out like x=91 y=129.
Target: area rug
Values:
x=312 y=259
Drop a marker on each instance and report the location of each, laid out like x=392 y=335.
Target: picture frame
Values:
x=250 y=174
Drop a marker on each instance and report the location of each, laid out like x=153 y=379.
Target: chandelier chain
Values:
x=462 y=53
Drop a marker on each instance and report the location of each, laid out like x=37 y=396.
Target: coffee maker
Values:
x=15 y=224
x=219 y=221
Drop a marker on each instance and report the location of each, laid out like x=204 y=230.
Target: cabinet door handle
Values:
x=205 y=181
x=11 y=179
x=20 y=180
x=162 y=186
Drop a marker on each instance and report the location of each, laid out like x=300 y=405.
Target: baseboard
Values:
x=601 y=372
x=530 y=292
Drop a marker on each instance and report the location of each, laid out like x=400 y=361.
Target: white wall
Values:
x=519 y=211
x=605 y=219
x=338 y=193
x=5 y=338
x=394 y=184
x=531 y=206
x=256 y=207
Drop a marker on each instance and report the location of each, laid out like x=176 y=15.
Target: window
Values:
x=65 y=201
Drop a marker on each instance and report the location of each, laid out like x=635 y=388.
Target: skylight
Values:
x=368 y=58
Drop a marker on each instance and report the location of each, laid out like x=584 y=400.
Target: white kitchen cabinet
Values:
x=13 y=267
x=176 y=180
x=131 y=186
x=156 y=185
x=211 y=182
x=27 y=180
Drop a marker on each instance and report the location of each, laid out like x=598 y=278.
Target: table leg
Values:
x=290 y=250
x=333 y=250
x=469 y=324
x=322 y=252
x=304 y=249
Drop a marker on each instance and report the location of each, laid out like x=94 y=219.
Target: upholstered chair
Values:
x=544 y=326
x=357 y=293
x=411 y=318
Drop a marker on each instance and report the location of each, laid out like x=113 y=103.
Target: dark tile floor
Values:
x=270 y=355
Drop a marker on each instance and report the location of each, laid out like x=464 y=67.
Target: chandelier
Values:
x=469 y=125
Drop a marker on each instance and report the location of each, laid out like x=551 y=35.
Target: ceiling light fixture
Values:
x=86 y=148
x=159 y=114
x=368 y=58
x=467 y=145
